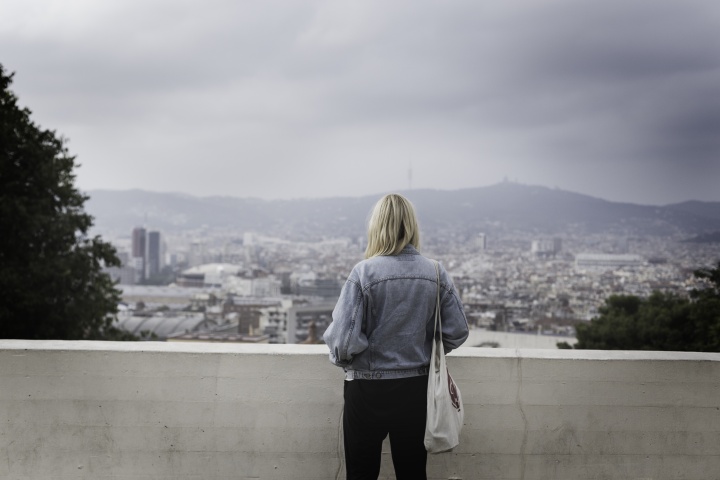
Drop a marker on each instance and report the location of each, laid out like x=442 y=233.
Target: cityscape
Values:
x=219 y=284
x=186 y=186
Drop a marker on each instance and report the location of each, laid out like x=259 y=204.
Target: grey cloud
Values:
x=491 y=88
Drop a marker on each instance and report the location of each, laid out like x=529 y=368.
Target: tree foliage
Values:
x=51 y=281
x=660 y=322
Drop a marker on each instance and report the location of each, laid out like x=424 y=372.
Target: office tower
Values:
x=481 y=242
x=139 y=251
x=153 y=253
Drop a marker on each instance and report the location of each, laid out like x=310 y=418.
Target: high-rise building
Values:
x=153 y=253
x=138 y=242
x=139 y=250
x=481 y=242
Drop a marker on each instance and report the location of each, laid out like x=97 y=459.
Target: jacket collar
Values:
x=409 y=249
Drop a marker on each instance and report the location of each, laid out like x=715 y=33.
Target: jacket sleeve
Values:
x=344 y=336
x=455 y=328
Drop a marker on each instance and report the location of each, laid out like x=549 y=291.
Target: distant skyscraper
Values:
x=153 y=253
x=138 y=242
x=481 y=242
x=139 y=250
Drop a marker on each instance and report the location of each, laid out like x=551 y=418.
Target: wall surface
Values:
x=102 y=410
x=481 y=337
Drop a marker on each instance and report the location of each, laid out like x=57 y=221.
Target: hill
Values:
x=505 y=206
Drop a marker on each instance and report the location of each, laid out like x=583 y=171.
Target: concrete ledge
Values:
x=275 y=349
x=114 y=410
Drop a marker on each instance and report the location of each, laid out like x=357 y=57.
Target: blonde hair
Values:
x=392 y=226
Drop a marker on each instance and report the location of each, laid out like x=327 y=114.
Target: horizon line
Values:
x=379 y=194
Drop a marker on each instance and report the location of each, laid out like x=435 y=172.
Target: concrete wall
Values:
x=94 y=410
x=516 y=340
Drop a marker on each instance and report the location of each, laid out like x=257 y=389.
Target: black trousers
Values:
x=376 y=408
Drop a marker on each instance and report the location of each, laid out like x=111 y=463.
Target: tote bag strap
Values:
x=438 y=319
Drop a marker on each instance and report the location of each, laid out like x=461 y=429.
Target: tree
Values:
x=51 y=281
x=710 y=280
x=660 y=322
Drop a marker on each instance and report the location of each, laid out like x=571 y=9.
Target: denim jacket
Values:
x=384 y=319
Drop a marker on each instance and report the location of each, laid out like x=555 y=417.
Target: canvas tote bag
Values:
x=445 y=411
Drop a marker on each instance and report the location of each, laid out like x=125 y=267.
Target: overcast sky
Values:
x=618 y=99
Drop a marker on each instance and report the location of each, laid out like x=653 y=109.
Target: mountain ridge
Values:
x=505 y=205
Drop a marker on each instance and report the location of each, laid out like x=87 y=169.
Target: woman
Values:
x=381 y=334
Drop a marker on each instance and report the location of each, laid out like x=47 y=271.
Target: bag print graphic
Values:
x=454 y=393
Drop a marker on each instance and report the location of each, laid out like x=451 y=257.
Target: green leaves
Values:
x=51 y=280
x=660 y=322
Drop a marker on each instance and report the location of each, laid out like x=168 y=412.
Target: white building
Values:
x=606 y=261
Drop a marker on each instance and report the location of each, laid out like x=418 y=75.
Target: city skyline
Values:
x=617 y=100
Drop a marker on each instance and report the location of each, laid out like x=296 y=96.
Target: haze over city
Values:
x=283 y=99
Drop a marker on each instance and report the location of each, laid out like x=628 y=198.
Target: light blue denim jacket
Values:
x=384 y=319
